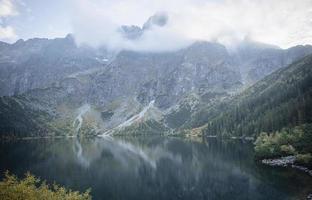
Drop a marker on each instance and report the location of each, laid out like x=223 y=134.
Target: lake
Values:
x=154 y=168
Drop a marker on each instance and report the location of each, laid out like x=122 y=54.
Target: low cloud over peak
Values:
x=133 y=32
x=133 y=24
x=155 y=34
x=280 y=22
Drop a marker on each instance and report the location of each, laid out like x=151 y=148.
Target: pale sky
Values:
x=280 y=22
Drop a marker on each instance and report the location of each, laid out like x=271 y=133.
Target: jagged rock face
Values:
x=37 y=63
x=133 y=80
x=166 y=77
x=58 y=78
x=258 y=60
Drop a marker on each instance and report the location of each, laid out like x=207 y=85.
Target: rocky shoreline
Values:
x=280 y=162
x=288 y=161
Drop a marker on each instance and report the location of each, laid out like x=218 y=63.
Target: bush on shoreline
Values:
x=293 y=141
x=304 y=160
x=32 y=188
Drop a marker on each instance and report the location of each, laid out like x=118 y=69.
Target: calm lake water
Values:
x=154 y=168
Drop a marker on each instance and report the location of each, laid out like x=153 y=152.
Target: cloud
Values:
x=281 y=22
x=7 y=33
x=96 y=22
x=7 y=9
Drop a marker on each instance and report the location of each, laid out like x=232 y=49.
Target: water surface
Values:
x=154 y=168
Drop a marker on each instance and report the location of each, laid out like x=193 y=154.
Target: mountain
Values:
x=282 y=99
x=257 y=60
x=37 y=63
x=147 y=91
x=63 y=88
x=124 y=88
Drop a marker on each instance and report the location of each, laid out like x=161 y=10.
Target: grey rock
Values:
x=257 y=60
x=38 y=63
x=133 y=32
x=288 y=161
x=282 y=162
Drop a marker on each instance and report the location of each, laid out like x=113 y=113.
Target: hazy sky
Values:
x=281 y=22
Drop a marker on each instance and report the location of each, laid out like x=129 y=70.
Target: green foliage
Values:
x=287 y=149
x=21 y=117
x=31 y=188
x=304 y=159
x=304 y=144
x=274 y=145
x=292 y=141
x=263 y=145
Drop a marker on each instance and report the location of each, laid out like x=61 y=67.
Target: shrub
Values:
x=304 y=159
x=297 y=140
x=287 y=149
x=304 y=142
x=31 y=188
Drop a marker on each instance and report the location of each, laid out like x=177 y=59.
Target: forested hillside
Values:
x=19 y=118
x=282 y=99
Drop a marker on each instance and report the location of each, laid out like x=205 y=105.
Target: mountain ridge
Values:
x=118 y=85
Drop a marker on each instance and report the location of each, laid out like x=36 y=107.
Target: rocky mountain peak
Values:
x=132 y=32
x=158 y=19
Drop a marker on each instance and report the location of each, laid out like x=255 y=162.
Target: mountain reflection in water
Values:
x=153 y=168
